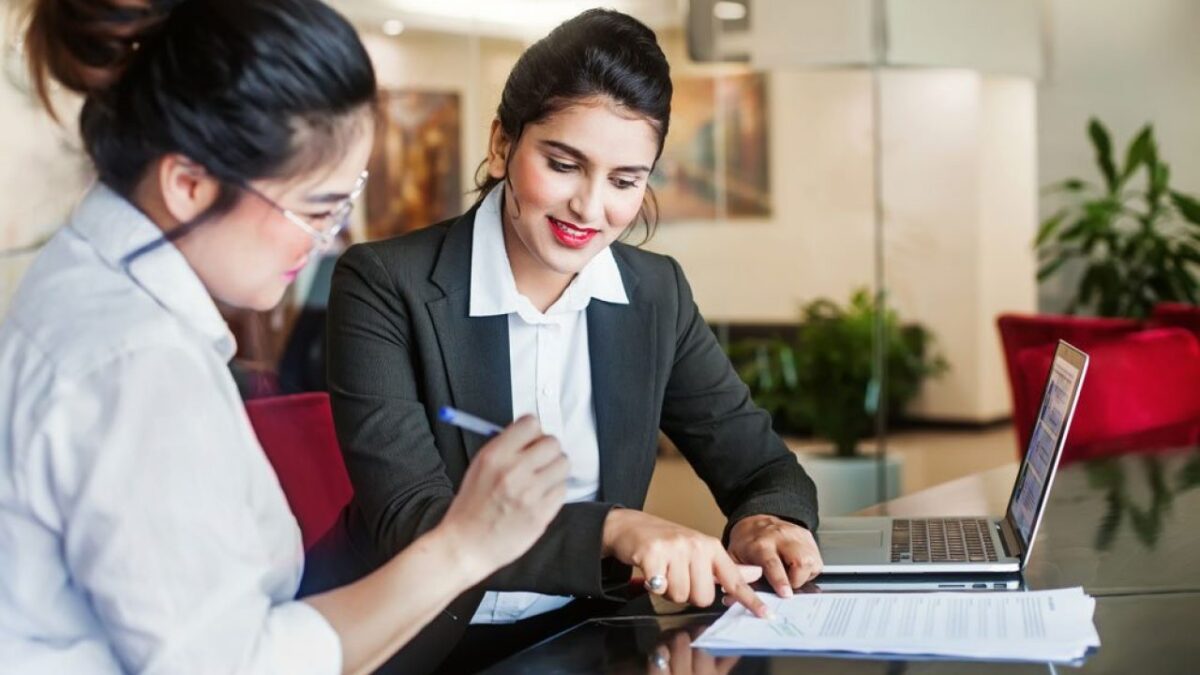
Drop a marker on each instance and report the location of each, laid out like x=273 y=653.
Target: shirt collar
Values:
x=494 y=291
x=114 y=228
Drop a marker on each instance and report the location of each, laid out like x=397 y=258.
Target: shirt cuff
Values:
x=304 y=642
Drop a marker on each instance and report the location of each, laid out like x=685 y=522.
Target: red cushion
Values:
x=1142 y=391
x=1177 y=315
x=297 y=434
x=1022 y=331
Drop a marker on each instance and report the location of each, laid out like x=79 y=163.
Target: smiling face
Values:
x=576 y=181
x=247 y=256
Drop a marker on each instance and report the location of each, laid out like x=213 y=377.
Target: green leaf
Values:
x=1189 y=253
x=1049 y=226
x=1103 y=211
x=1075 y=231
x=1111 y=290
x=1050 y=268
x=1184 y=281
x=1068 y=185
x=1141 y=151
x=1160 y=175
x=1088 y=285
x=1188 y=206
x=1102 y=142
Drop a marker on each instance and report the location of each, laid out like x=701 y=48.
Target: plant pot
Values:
x=846 y=484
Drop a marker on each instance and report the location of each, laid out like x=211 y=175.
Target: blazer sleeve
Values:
x=401 y=484
x=728 y=440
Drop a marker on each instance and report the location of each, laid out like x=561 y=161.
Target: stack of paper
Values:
x=1033 y=626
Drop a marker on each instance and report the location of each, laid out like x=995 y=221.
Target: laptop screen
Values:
x=1045 y=443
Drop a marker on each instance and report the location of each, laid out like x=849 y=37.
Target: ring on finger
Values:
x=656 y=583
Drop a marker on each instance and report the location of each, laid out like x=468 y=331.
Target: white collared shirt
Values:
x=551 y=371
x=141 y=527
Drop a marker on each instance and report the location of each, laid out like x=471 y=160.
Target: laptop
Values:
x=972 y=545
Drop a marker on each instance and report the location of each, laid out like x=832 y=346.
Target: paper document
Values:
x=1027 y=626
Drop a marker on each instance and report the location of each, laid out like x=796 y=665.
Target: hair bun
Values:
x=86 y=44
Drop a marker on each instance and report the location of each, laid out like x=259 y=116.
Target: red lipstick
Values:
x=569 y=235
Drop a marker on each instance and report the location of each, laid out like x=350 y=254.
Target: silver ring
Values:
x=659 y=661
x=656 y=583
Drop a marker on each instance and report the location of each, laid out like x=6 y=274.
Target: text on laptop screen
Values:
x=1056 y=404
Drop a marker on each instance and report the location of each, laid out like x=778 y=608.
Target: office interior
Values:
x=825 y=160
x=767 y=188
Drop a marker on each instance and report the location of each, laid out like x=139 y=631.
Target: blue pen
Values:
x=468 y=421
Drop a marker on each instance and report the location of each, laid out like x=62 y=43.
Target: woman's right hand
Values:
x=693 y=564
x=512 y=490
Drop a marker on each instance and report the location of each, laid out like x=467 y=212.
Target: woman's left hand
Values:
x=786 y=552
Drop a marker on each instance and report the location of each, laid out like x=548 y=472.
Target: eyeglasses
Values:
x=324 y=229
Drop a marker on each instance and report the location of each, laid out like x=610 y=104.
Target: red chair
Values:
x=1022 y=331
x=1141 y=393
x=1177 y=315
x=297 y=434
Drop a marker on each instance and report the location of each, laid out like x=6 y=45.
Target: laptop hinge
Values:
x=1010 y=540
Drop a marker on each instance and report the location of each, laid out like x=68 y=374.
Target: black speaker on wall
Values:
x=708 y=21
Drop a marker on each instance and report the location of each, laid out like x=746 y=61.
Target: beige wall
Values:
x=818 y=240
x=960 y=196
x=1008 y=215
x=960 y=193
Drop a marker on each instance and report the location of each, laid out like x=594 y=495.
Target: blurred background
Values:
x=837 y=171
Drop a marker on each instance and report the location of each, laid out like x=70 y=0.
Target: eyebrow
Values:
x=583 y=159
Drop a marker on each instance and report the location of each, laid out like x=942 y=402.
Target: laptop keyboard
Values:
x=942 y=540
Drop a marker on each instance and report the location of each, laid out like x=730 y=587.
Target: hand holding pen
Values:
x=512 y=490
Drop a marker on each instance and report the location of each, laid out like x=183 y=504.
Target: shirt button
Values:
x=545 y=391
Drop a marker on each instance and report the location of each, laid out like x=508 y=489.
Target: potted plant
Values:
x=822 y=383
x=1134 y=245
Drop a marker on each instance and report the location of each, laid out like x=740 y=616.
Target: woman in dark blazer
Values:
x=528 y=303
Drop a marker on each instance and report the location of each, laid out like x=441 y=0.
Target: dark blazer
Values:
x=401 y=345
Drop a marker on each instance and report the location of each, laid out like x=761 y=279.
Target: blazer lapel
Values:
x=474 y=349
x=621 y=344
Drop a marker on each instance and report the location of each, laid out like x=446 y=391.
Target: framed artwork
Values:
x=416 y=164
x=742 y=105
x=685 y=178
x=715 y=161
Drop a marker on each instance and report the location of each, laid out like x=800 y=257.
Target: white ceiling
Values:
x=522 y=19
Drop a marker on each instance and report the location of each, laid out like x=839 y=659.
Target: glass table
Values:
x=1124 y=528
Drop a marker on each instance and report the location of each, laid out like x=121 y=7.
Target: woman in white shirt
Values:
x=141 y=527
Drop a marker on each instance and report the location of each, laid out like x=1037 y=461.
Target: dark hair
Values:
x=599 y=53
x=248 y=89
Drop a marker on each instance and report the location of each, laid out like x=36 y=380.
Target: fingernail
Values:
x=786 y=592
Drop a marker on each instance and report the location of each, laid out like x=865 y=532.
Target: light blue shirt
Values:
x=141 y=527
